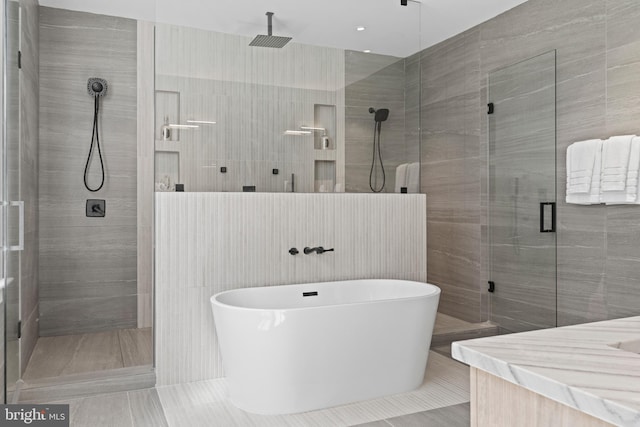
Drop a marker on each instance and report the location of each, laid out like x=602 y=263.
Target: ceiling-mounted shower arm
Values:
x=269 y=23
x=269 y=40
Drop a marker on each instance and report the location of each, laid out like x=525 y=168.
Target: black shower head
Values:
x=381 y=115
x=97 y=86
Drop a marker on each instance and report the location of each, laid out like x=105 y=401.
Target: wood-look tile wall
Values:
x=87 y=265
x=378 y=81
x=253 y=94
x=598 y=95
x=210 y=242
x=29 y=118
x=145 y=166
x=451 y=162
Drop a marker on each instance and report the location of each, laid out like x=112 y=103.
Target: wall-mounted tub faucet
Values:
x=319 y=250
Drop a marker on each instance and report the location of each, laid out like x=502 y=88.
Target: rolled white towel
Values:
x=401 y=177
x=413 y=178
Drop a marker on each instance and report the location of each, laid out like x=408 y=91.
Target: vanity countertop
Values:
x=594 y=367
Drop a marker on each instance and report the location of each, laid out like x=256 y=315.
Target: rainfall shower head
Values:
x=269 y=40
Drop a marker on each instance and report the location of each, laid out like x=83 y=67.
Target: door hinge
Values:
x=490 y=108
x=19 y=329
x=492 y=286
x=19 y=60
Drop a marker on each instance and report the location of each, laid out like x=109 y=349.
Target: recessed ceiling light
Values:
x=360 y=28
x=367 y=51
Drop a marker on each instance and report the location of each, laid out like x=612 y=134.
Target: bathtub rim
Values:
x=437 y=291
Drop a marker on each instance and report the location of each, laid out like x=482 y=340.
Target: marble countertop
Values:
x=594 y=367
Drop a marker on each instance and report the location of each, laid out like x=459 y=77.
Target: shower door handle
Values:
x=544 y=207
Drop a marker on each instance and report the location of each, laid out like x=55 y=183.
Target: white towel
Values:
x=413 y=178
x=401 y=177
x=615 y=163
x=630 y=193
x=584 y=160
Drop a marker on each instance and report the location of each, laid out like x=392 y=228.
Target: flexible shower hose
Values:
x=377 y=127
x=95 y=138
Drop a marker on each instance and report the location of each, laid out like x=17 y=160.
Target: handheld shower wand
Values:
x=96 y=87
x=380 y=116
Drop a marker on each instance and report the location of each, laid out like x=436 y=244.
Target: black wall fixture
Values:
x=403 y=2
x=96 y=208
x=96 y=87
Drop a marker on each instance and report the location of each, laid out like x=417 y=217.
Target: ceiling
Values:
x=391 y=29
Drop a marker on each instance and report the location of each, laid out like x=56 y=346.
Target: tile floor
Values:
x=77 y=354
x=441 y=401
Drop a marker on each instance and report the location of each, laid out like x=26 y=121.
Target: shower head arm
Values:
x=269 y=23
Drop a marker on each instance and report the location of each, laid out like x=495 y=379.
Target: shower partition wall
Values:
x=522 y=194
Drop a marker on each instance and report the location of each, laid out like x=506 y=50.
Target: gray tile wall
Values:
x=598 y=95
x=376 y=81
x=87 y=265
x=29 y=94
x=451 y=162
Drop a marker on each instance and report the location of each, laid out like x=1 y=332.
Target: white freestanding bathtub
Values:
x=296 y=348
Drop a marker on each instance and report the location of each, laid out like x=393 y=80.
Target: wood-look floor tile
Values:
x=450 y=416
x=95 y=352
x=146 y=409
x=381 y=423
x=51 y=356
x=110 y=410
x=136 y=346
x=197 y=403
x=77 y=354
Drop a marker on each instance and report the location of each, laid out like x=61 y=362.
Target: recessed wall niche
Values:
x=167 y=113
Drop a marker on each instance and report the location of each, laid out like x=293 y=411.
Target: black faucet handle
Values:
x=294 y=251
x=322 y=250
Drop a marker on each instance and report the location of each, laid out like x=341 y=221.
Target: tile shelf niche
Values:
x=324 y=116
x=325 y=155
x=167 y=110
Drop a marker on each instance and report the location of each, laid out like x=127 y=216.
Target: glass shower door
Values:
x=12 y=206
x=522 y=194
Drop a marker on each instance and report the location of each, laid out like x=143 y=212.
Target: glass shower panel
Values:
x=522 y=194
x=11 y=195
x=232 y=115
